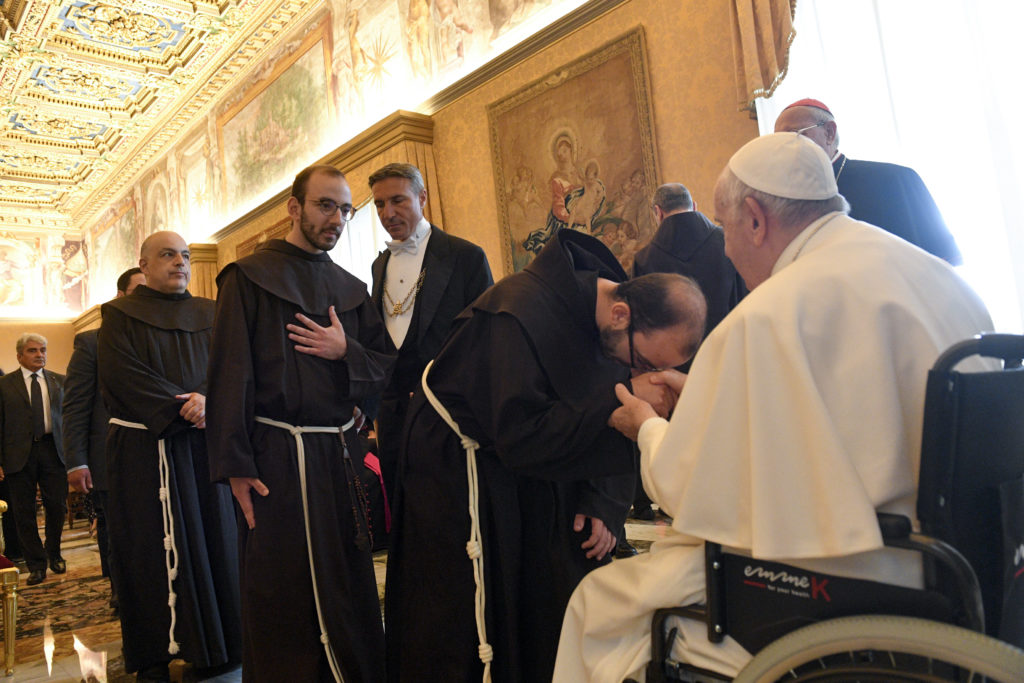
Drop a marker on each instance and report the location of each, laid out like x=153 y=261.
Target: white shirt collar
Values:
x=412 y=244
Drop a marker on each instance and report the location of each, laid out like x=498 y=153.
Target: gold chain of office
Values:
x=398 y=308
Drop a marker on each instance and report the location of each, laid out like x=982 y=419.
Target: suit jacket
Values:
x=457 y=273
x=689 y=244
x=16 y=418
x=85 y=415
x=895 y=199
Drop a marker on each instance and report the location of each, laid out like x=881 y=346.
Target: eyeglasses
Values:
x=807 y=128
x=329 y=206
x=637 y=361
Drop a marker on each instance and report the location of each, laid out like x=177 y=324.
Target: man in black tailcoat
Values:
x=422 y=281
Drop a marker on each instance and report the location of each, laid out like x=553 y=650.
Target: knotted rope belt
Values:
x=474 y=547
x=297 y=432
x=170 y=548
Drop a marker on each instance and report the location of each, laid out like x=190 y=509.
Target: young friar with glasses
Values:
x=296 y=346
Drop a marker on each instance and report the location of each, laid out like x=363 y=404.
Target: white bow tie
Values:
x=408 y=246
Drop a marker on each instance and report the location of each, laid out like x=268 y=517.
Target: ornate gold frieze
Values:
x=91 y=93
x=267 y=27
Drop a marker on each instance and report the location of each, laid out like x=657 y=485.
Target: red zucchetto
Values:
x=808 y=102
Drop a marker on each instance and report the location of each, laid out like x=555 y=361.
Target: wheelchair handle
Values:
x=1008 y=347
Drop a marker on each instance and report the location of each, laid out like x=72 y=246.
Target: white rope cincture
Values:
x=297 y=432
x=170 y=547
x=474 y=547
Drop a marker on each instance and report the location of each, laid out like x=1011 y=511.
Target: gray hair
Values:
x=821 y=116
x=672 y=197
x=789 y=212
x=399 y=170
x=19 y=346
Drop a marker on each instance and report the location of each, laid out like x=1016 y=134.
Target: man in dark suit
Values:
x=11 y=546
x=422 y=281
x=889 y=196
x=85 y=423
x=30 y=418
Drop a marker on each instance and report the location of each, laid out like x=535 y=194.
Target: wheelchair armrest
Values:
x=950 y=559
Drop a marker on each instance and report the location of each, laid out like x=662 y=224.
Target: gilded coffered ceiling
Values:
x=92 y=92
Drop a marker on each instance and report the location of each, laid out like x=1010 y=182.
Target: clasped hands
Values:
x=194 y=408
x=654 y=395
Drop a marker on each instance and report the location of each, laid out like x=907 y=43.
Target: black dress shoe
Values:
x=58 y=565
x=35 y=576
x=625 y=549
x=646 y=513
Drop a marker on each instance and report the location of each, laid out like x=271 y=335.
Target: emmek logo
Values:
x=786 y=583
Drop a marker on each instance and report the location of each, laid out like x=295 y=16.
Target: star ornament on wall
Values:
x=381 y=52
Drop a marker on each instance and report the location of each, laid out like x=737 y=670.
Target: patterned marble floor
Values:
x=77 y=604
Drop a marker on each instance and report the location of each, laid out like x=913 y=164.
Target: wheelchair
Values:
x=966 y=624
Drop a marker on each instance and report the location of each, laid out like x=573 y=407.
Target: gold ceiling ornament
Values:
x=90 y=85
x=37 y=163
x=58 y=127
x=25 y=192
x=93 y=93
x=121 y=27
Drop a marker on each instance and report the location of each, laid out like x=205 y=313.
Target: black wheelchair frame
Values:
x=967 y=415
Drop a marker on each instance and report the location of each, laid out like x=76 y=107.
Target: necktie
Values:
x=38 y=421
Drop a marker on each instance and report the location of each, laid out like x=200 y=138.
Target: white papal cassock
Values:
x=800 y=419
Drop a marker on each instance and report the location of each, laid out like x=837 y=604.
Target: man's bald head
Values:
x=165 y=261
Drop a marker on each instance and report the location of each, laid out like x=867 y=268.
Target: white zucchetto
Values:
x=786 y=165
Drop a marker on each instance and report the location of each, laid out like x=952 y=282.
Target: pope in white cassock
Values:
x=801 y=416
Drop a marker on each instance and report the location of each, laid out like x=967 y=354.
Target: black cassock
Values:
x=523 y=374
x=255 y=371
x=153 y=346
x=689 y=244
x=895 y=199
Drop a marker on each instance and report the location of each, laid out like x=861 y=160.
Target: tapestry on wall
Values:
x=575 y=150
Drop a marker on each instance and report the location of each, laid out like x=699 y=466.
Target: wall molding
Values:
x=401 y=126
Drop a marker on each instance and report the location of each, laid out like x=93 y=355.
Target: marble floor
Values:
x=76 y=604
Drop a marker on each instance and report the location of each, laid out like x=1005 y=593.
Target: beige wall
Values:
x=696 y=129
x=402 y=136
x=60 y=337
x=696 y=124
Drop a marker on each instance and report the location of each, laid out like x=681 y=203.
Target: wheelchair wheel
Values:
x=884 y=648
